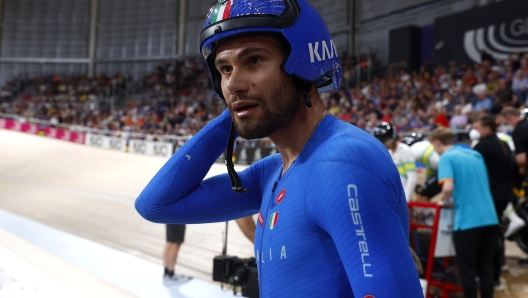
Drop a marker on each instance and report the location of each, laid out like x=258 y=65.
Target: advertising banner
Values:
x=500 y=29
x=160 y=149
x=101 y=141
x=137 y=147
x=43 y=130
x=94 y=140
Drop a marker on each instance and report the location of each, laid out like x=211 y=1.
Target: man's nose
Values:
x=238 y=82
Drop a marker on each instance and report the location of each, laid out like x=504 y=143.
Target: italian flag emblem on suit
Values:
x=274 y=217
x=222 y=11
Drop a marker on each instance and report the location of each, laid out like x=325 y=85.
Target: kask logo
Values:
x=509 y=39
x=280 y=196
x=326 y=51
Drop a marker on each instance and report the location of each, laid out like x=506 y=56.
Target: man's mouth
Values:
x=244 y=109
x=243 y=106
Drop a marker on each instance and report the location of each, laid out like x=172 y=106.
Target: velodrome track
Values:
x=68 y=227
x=73 y=206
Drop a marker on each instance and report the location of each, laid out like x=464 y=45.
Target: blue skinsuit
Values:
x=339 y=229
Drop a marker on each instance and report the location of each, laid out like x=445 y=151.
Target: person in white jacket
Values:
x=401 y=155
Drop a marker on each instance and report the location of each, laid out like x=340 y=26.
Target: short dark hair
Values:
x=488 y=121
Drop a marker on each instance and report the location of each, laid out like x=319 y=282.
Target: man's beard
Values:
x=278 y=110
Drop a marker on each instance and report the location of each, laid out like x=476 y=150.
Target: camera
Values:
x=237 y=272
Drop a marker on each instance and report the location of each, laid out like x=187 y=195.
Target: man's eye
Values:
x=225 y=69
x=254 y=60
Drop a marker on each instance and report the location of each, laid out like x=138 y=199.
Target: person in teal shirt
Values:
x=463 y=176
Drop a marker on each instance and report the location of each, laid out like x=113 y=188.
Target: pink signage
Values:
x=43 y=130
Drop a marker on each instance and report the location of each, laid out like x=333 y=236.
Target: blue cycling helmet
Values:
x=312 y=55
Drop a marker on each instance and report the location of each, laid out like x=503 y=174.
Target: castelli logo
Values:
x=280 y=196
x=369 y=296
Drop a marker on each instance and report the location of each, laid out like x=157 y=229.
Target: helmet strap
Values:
x=236 y=183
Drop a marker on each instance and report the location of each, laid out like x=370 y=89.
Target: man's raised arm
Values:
x=177 y=193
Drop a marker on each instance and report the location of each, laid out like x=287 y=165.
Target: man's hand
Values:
x=447 y=203
x=447 y=193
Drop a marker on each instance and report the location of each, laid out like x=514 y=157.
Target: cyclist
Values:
x=325 y=202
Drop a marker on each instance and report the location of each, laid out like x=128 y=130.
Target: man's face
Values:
x=503 y=84
x=483 y=130
x=508 y=120
x=262 y=98
x=437 y=146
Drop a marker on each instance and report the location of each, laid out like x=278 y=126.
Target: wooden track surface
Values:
x=90 y=192
x=76 y=280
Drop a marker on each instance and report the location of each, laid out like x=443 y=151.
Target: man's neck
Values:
x=291 y=140
x=487 y=135
x=394 y=146
x=447 y=147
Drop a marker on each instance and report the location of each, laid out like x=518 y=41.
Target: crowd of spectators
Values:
x=177 y=98
x=421 y=101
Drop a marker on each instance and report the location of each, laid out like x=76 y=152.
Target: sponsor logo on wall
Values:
x=499 y=29
x=502 y=41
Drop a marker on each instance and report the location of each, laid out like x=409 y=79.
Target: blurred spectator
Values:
x=520 y=86
x=505 y=95
x=386 y=115
x=449 y=102
x=458 y=120
x=484 y=103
